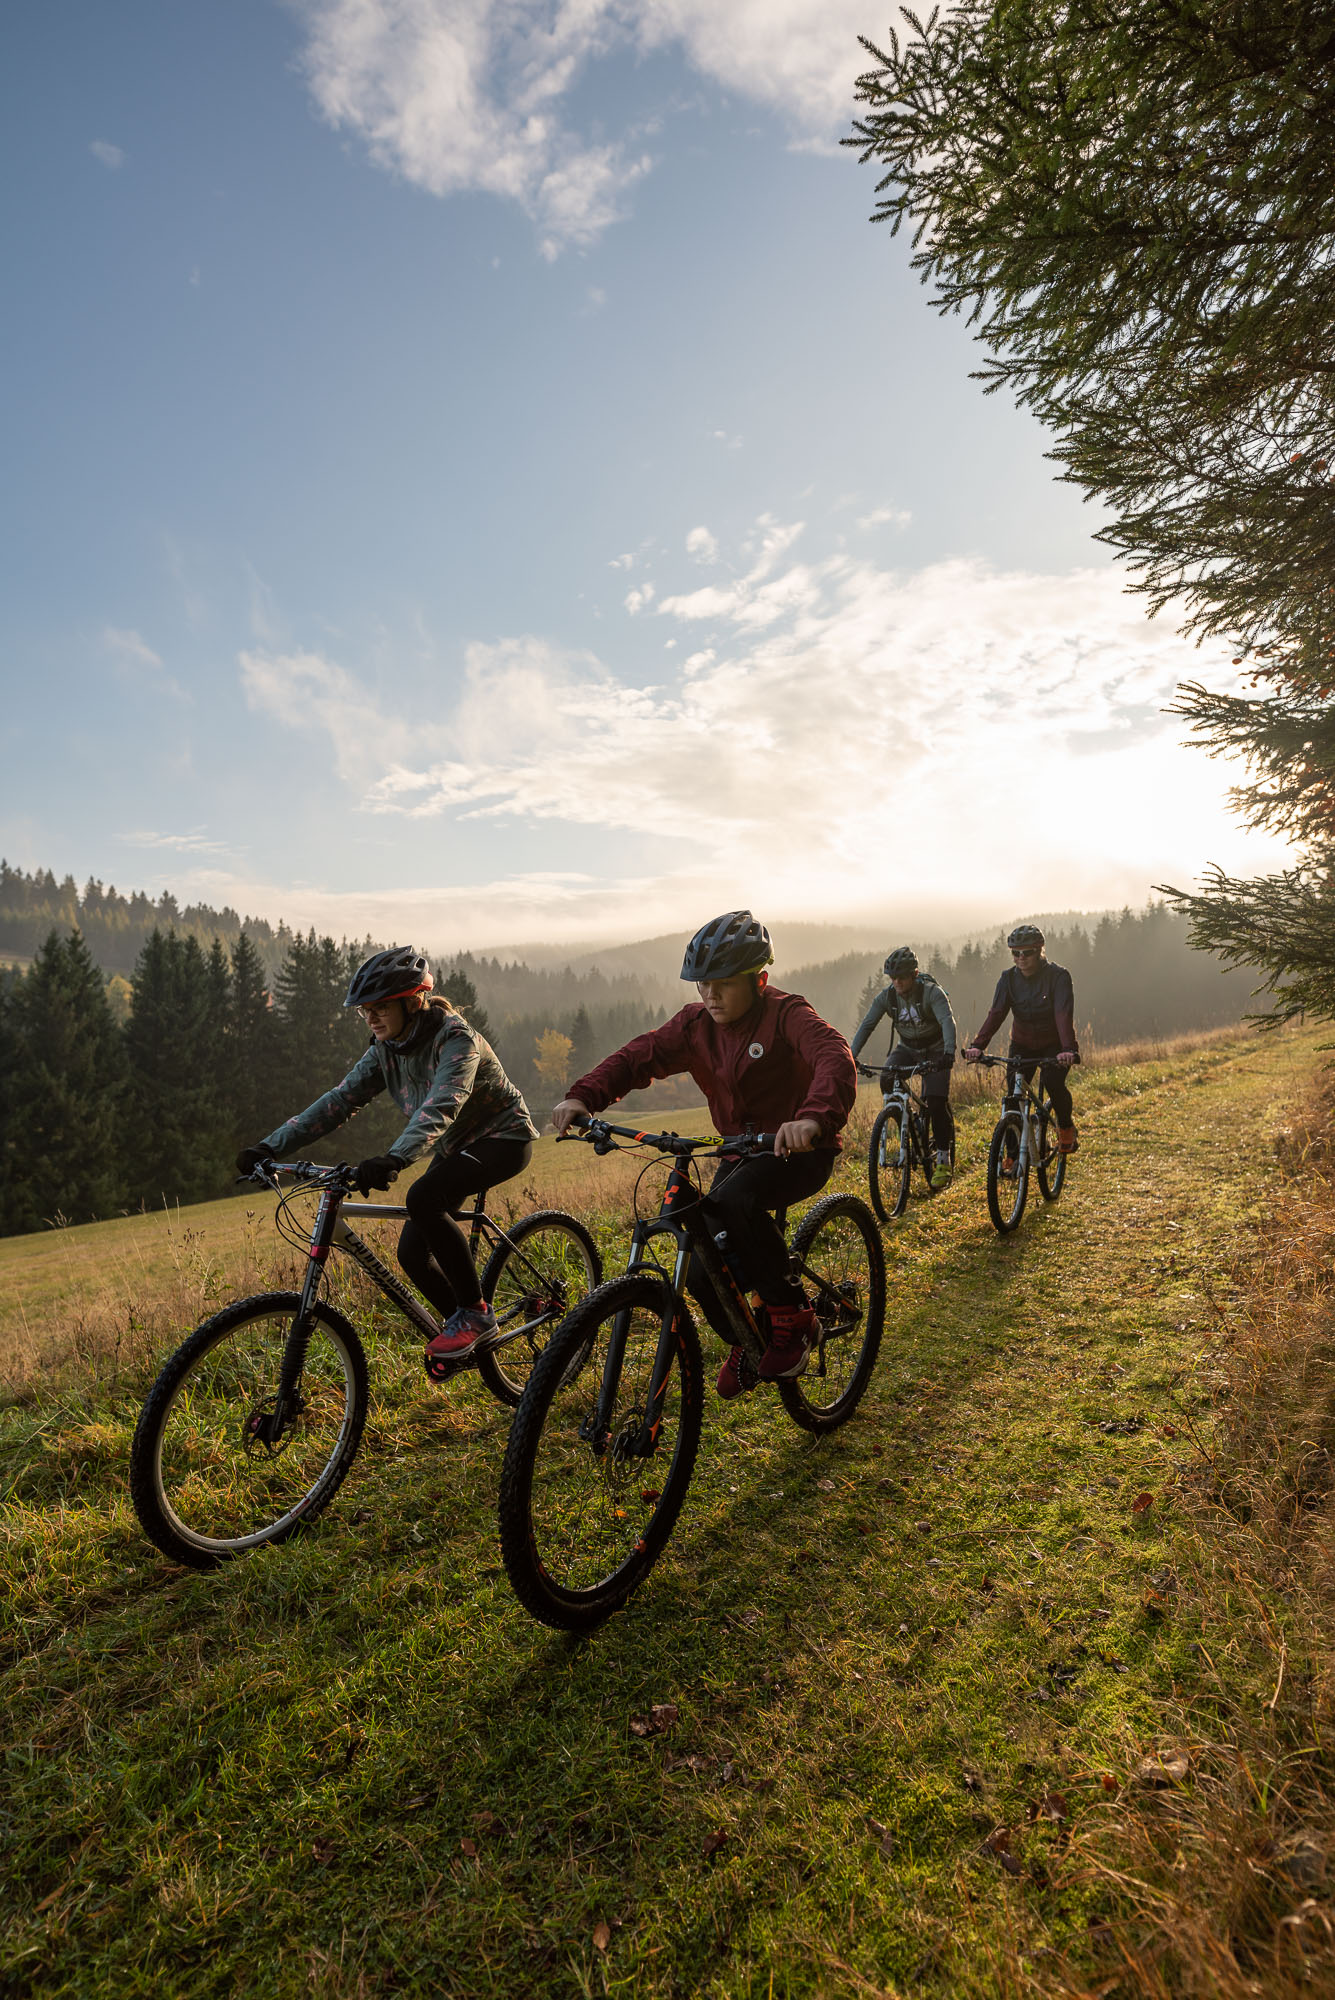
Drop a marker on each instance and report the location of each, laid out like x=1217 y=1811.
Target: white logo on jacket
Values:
x=756 y=1049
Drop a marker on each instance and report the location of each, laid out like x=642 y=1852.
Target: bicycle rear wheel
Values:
x=204 y=1486
x=889 y=1166
x=838 y=1243
x=588 y=1498
x=549 y=1265
x=1051 y=1159
x=1007 y=1193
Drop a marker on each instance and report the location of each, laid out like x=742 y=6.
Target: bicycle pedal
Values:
x=440 y=1367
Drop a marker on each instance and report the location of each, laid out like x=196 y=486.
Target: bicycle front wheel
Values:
x=889 y=1166
x=839 y=1249
x=594 y=1477
x=1051 y=1159
x=548 y=1266
x=205 y=1486
x=1007 y=1175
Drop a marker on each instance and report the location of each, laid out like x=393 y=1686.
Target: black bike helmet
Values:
x=395 y=974
x=902 y=961
x=1025 y=934
x=727 y=945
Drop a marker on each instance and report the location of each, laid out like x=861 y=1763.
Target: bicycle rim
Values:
x=837 y=1242
x=204 y=1487
x=1006 y=1195
x=554 y=1265
x=585 y=1508
x=889 y=1166
x=1051 y=1159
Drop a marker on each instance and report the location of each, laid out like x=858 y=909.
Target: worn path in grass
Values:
x=352 y=1765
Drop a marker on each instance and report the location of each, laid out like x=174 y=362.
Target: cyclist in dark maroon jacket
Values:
x=766 y=1062
x=1040 y=1000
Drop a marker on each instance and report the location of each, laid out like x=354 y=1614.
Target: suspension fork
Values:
x=287 y=1404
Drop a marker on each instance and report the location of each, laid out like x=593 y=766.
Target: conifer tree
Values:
x=177 y=1125
x=61 y=1141
x=461 y=993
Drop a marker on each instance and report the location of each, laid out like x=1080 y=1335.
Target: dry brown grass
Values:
x=1224 y=1883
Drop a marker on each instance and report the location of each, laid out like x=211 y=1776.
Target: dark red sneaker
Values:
x=792 y=1330
x=736 y=1375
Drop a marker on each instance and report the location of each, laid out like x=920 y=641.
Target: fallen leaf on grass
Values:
x=751 y=1616
x=490 y=1825
x=1051 y=1806
x=972 y=1779
x=877 y=1450
x=650 y=1493
x=713 y=1842
x=1163 y=1767
x=825 y=1485
x=1141 y=1502
x=468 y=1847
x=1168 y=1430
x=1110 y=1783
x=660 y=1718
x=324 y=1851
x=998 y=1844
x=602 y=1935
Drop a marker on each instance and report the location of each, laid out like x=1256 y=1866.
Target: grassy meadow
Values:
x=1018 y=1684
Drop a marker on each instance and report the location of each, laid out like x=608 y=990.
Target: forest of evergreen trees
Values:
x=121 y=1092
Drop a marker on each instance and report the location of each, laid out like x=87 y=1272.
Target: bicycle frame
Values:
x=331 y=1231
x=681 y=1217
x=911 y=1104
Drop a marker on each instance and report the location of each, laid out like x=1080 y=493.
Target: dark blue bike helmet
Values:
x=902 y=961
x=727 y=945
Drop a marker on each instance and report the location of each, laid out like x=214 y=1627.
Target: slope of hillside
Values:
x=903 y=1678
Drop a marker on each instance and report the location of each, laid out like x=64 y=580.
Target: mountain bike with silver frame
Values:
x=901 y=1137
x=253 y=1423
x=1024 y=1142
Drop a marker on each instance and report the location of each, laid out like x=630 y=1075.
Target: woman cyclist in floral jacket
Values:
x=460 y=1105
x=766 y=1062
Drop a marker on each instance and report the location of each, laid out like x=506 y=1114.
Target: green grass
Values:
x=352 y=1765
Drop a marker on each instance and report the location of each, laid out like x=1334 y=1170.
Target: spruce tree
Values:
x=178 y=1124
x=461 y=993
x=60 y=1156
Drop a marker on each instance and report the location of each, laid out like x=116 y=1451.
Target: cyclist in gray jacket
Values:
x=460 y=1107
x=922 y=1029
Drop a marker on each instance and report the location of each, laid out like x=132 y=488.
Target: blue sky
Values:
x=474 y=473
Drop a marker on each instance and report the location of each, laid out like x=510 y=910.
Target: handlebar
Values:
x=602 y=1136
x=266 y=1173
x=904 y=1069
x=1015 y=1062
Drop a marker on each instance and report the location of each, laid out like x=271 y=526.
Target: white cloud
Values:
x=138 y=663
x=468 y=95
x=701 y=546
x=194 y=842
x=640 y=599
x=885 y=517
x=847 y=736
x=110 y=156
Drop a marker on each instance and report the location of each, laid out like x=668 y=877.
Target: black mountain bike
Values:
x=1024 y=1141
x=901 y=1138
x=252 y=1424
x=604 y=1440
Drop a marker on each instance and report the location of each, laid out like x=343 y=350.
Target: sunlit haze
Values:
x=475 y=475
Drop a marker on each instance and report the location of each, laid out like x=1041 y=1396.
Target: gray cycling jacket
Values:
x=920 y=1019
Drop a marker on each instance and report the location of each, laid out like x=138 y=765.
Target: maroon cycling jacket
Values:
x=780 y=1061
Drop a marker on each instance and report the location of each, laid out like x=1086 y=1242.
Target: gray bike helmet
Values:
x=902 y=961
x=389 y=975
x=727 y=945
x=1024 y=934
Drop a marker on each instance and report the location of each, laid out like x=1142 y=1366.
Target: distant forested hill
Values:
x=142 y=1041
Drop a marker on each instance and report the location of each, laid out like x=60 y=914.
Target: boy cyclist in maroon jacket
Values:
x=766 y=1062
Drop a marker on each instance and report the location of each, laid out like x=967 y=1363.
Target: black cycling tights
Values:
x=433 y=1249
x=740 y=1200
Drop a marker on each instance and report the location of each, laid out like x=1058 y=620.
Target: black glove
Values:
x=946 y=1061
x=250 y=1157
x=377 y=1172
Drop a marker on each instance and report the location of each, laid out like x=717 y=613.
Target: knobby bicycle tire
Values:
x=838 y=1371
x=1006 y=1197
x=204 y=1489
x=889 y=1183
x=550 y=1265
x=1051 y=1159
x=581 y=1529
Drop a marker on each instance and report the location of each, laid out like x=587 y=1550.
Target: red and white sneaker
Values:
x=736 y=1376
x=1068 y=1139
x=459 y=1339
x=792 y=1330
